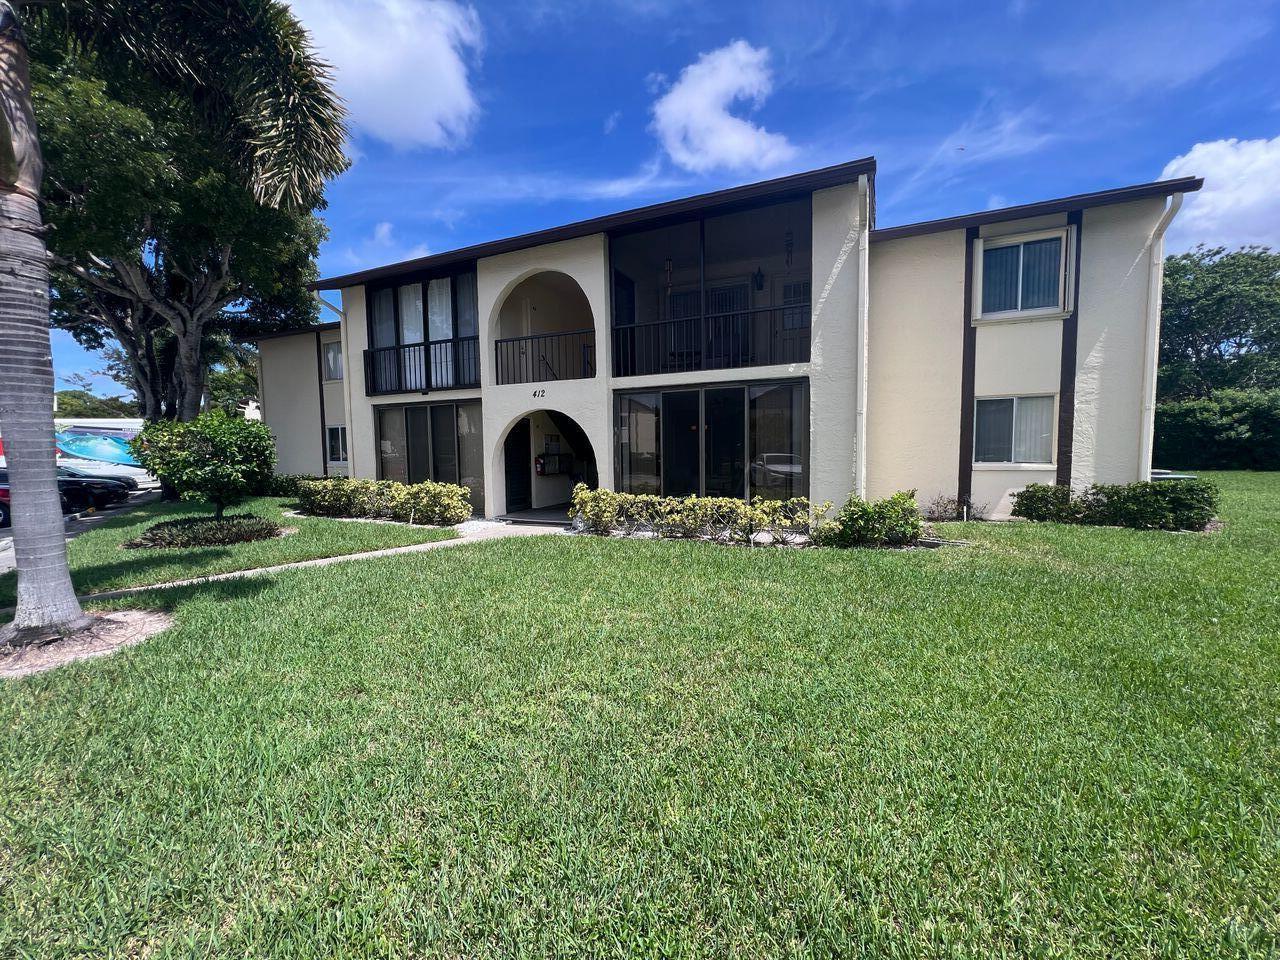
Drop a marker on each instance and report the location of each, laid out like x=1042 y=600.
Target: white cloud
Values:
x=693 y=122
x=1240 y=201
x=988 y=135
x=611 y=121
x=403 y=66
x=382 y=246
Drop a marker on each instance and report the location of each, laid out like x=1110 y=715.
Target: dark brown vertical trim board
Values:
x=1067 y=383
x=969 y=350
x=324 y=426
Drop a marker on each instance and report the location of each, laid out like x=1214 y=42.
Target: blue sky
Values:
x=476 y=122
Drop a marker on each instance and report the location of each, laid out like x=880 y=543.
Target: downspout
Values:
x=1151 y=353
x=864 y=300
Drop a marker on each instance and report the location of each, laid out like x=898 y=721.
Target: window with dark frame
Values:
x=333 y=360
x=433 y=441
x=337 y=443
x=1013 y=430
x=1022 y=275
x=424 y=335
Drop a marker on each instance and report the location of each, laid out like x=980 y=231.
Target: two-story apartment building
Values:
x=764 y=340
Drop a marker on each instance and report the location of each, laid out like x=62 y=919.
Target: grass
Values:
x=99 y=560
x=1056 y=742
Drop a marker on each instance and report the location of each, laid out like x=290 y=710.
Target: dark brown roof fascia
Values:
x=317 y=328
x=777 y=188
x=1142 y=191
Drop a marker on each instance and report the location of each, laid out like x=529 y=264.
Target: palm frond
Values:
x=247 y=64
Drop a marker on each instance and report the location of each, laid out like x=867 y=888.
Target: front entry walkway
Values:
x=469 y=532
x=556 y=515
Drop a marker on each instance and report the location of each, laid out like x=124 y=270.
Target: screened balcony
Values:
x=545 y=332
x=717 y=293
x=423 y=336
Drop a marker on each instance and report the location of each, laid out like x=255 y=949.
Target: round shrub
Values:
x=215 y=457
x=892 y=522
x=206 y=532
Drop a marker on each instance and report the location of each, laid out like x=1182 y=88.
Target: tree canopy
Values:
x=162 y=242
x=1220 y=323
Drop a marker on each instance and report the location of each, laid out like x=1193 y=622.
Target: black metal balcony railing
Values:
x=546 y=356
x=745 y=338
x=421 y=367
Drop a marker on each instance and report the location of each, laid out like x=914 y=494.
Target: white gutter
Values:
x=1151 y=354
x=860 y=406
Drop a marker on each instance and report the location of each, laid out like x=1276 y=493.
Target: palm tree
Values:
x=249 y=67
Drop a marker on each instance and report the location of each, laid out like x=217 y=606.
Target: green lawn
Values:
x=99 y=562
x=1055 y=742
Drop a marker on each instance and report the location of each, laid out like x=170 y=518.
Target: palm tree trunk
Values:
x=46 y=598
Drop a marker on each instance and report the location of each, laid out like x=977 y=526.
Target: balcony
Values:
x=744 y=338
x=546 y=356
x=423 y=367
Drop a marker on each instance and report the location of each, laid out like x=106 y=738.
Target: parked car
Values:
x=81 y=493
x=774 y=468
x=79 y=473
x=4 y=505
x=99 y=468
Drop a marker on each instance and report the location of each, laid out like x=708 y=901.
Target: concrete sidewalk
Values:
x=78 y=523
x=472 y=531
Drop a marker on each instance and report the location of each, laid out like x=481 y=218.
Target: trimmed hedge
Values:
x=895 y=521
x=285 y=484
x=724 y=519
x=1158 y=505
x=1233 y=429
x=429 y=503
x=206 y=532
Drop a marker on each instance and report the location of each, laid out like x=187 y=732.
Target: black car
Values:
x=81 y=493
x=78 y=474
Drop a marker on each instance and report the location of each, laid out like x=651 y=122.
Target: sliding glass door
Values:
x=725 y=446
x=681 y=440
x=437 y=441
x=739 y=440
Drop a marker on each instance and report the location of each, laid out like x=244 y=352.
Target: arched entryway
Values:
x=544 y=331
x=543 y=455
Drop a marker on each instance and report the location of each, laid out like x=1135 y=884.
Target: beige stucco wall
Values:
x=290 y=394
x=839 y=240
x=913 y=360
x=587 y=401
x=915 y=350
x=1115 y=267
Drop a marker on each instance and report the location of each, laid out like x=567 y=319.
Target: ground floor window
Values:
x=336 y=444
x=1013 y=430
x=732 y=440
x=433 y=441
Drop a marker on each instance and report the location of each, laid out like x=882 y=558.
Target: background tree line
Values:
x=1218 y=404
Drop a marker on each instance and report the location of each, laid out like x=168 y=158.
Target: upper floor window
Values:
x=1024 y=275
x=333 y=360
x=424 y=335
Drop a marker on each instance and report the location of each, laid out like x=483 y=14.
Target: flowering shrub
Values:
x=723 y=519
x=433 y=503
